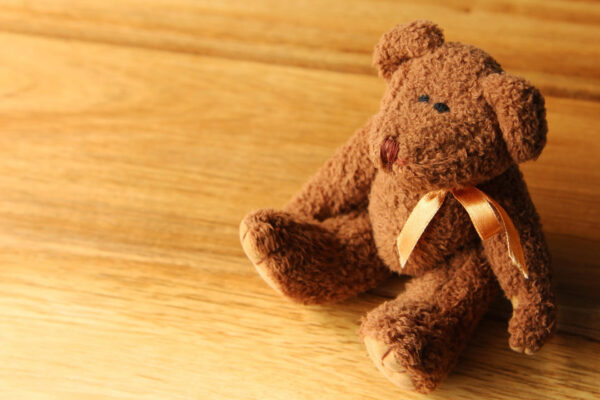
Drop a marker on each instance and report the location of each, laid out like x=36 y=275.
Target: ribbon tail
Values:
x=417 y=222
x=513 y=243
x=489 y=218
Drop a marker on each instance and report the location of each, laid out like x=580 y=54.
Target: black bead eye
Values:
x=424 y=98
x=441 y=107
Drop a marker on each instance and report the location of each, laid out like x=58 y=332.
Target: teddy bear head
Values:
x=450 y=116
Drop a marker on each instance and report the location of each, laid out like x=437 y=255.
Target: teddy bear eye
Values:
x=424 y=98
x=441 y=107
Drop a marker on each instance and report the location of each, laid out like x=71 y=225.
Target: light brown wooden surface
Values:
x=136 y=134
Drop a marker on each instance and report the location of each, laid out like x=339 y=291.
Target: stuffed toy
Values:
x=430 y=188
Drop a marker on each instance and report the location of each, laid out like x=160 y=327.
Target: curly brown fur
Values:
x=429 y=324
x=450 y=118
x=341 y=185
x=314 y=262
x=534 y=309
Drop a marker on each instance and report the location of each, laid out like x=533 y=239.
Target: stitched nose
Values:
x=388 y=151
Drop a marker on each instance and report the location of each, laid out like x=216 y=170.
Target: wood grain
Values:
x=553 y=42
x=135 y=136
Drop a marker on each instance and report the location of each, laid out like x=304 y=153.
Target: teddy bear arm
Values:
x=341 y=185
x=534 y=309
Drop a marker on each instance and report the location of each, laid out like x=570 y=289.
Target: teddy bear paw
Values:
x=530 y=327
x=386 y=361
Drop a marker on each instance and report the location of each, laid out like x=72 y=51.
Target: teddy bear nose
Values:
x=388 y=151
x=441 y=107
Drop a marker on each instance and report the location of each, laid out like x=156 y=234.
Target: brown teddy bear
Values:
x=415 y=191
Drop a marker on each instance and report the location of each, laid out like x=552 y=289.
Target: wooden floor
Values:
x=135 y=135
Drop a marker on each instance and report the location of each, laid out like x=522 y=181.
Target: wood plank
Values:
x=125 y=172
x=263 y=125
x=112 y=327
x=553 y=43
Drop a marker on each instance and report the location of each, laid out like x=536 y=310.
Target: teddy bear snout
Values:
x=389 y=153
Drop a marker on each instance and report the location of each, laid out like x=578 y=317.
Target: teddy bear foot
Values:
x=407 y=357
x=313 y=262
x=416 y=339
x=387 y=363
x=258 y=256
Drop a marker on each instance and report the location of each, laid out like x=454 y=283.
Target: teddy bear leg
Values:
x=313 y=262
x=415 y=339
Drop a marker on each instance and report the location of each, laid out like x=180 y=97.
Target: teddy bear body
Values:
x=388 y=210
x=437 y=150
x=450 y=119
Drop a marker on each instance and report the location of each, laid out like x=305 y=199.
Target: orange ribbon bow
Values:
x=487 y=216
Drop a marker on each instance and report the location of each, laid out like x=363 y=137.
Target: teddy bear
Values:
x=408 y=194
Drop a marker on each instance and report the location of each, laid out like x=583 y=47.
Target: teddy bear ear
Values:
x=404 y=42
x=521 y=114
